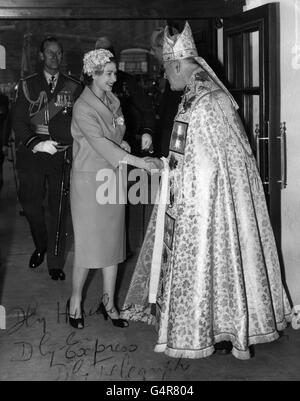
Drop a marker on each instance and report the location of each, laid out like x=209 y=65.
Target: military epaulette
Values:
x=72 y=79
x=29 y=76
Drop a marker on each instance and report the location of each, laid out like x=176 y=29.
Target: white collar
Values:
x=48 y=76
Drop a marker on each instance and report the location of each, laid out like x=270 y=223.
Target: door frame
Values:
x=266 y=18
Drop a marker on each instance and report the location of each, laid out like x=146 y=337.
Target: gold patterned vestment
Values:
x=220 y=276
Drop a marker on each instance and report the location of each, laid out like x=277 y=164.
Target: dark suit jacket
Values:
x=167 y=112
x=137 y=109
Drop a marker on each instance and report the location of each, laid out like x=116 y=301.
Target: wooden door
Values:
x=252 y=61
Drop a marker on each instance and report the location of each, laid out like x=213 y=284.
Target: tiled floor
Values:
x=38 y=344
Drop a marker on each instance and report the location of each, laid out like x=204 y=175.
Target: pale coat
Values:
x=99 y=229
x=96 y=140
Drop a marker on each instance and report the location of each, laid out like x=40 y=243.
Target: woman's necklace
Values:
x=105 y=99
x=108 y=105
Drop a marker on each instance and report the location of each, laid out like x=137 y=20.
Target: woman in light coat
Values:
x=99 y=226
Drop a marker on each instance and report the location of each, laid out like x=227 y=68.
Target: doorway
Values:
x=252 y=68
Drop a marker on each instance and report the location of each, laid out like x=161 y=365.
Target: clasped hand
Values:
x=153 y=163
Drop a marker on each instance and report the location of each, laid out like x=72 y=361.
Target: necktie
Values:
x=51 y=83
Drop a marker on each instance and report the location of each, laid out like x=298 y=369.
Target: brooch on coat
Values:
x=118 y=121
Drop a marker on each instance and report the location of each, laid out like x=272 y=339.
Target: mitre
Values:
x=179 y=46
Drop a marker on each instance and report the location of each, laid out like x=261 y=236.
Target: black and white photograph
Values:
x=150 y=298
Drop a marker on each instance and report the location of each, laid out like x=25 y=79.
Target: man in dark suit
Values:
x=41 y=121
x=169 y=103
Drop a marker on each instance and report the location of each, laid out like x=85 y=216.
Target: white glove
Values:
x=125 y=145
x=146 y=141
x=46 y=146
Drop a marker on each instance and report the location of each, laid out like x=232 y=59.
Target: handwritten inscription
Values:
x=26 y=318
x=76 y=356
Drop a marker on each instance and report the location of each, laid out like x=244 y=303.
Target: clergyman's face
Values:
x=52 y=56
x=173 y=75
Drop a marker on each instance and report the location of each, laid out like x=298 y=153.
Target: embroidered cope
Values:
x=220 y=277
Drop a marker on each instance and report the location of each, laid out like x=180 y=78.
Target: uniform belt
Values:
x=41 y=129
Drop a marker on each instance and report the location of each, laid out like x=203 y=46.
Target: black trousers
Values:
x=40 y=186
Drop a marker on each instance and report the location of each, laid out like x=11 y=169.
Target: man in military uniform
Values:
x=41 y=121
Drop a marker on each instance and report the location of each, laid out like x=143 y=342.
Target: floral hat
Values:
x=95 y=60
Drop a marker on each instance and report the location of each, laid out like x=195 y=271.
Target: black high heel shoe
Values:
x=77 y=323
x=116 y=322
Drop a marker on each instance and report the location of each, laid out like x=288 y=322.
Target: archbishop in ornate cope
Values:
x=209 y=260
